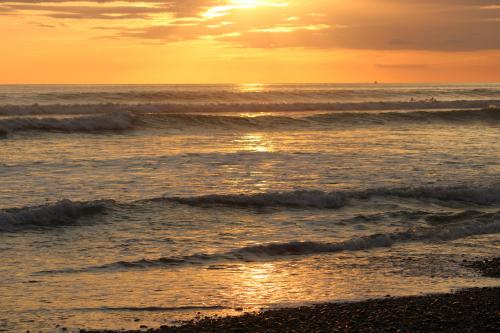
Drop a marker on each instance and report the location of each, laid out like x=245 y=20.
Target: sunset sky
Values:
x=245 y=41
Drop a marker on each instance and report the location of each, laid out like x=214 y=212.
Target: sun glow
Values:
x=252 y=87
x=247 y=2
x=237 y=41
x=219 y=11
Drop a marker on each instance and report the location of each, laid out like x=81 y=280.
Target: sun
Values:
x=218 y=11
x=247 y=3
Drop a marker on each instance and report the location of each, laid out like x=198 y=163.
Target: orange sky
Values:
x=241 y=41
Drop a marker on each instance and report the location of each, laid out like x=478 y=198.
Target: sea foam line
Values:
x=120 y=121
x=337 y=199
x=94 y=123
x=64 y=109
x=67 y=211
x=277 y=250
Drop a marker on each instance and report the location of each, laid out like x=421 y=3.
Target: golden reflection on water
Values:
x=256 y=114
x=257 y=282
x=252 y=87
x=255 y=143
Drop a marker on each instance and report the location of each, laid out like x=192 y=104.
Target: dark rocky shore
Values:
x=468 y=310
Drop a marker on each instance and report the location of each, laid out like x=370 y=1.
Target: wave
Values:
x=273 y=250
x=120 y=121
x=234 y=93
x=454 y=232
x=97 y=123
x=64 y=212
x=488 y=114
x=337 y=199
x=443 y=218
x=329 y=120
x=37 y=109
x=299 y=198
x=199 y=121
x=67 y=212
x=431 y=217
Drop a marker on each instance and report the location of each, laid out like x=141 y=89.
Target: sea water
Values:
x=133 y=205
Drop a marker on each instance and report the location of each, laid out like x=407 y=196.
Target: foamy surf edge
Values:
x=65 y=109
x=272 y=251
x=67 y=211
x=95 y=123
x=337 y=199
x=125 y=120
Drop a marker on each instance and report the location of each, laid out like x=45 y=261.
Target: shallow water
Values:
x=215 y=198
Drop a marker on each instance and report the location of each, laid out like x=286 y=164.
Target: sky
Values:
x=249 y=41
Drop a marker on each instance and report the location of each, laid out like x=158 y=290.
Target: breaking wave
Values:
x=37 y=109
x=488 y=114
x=215 y=93
x=119 y=121
x=337 y=199
x=273 y=250
x=95 y=123
x=328 y=120
x=299 y=198
x=373 y=241
x=65 y=212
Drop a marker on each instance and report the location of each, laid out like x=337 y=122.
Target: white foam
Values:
x=449 y=233
x=36 y=109
x=272 y=250
x=118 y=119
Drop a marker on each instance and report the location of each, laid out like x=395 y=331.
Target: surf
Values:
x=275 y=251
x=126 y=121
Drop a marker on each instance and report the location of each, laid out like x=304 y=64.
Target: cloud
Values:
x=109 y=9
x=434 y=25
x=437 y=25
x=403 y=66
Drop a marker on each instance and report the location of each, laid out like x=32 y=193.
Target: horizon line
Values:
x=248 y=83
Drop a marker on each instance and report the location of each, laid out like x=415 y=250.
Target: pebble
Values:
x=432 y=313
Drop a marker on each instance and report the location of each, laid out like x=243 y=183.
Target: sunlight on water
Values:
x=252 y=87
x=255 y=143
x=156 y=213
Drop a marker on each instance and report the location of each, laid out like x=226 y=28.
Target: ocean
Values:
x=130 y=205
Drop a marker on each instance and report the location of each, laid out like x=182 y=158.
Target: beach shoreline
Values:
x=129 y=207
x=466 y=310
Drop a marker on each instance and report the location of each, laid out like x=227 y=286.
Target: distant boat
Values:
x=375 y=82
